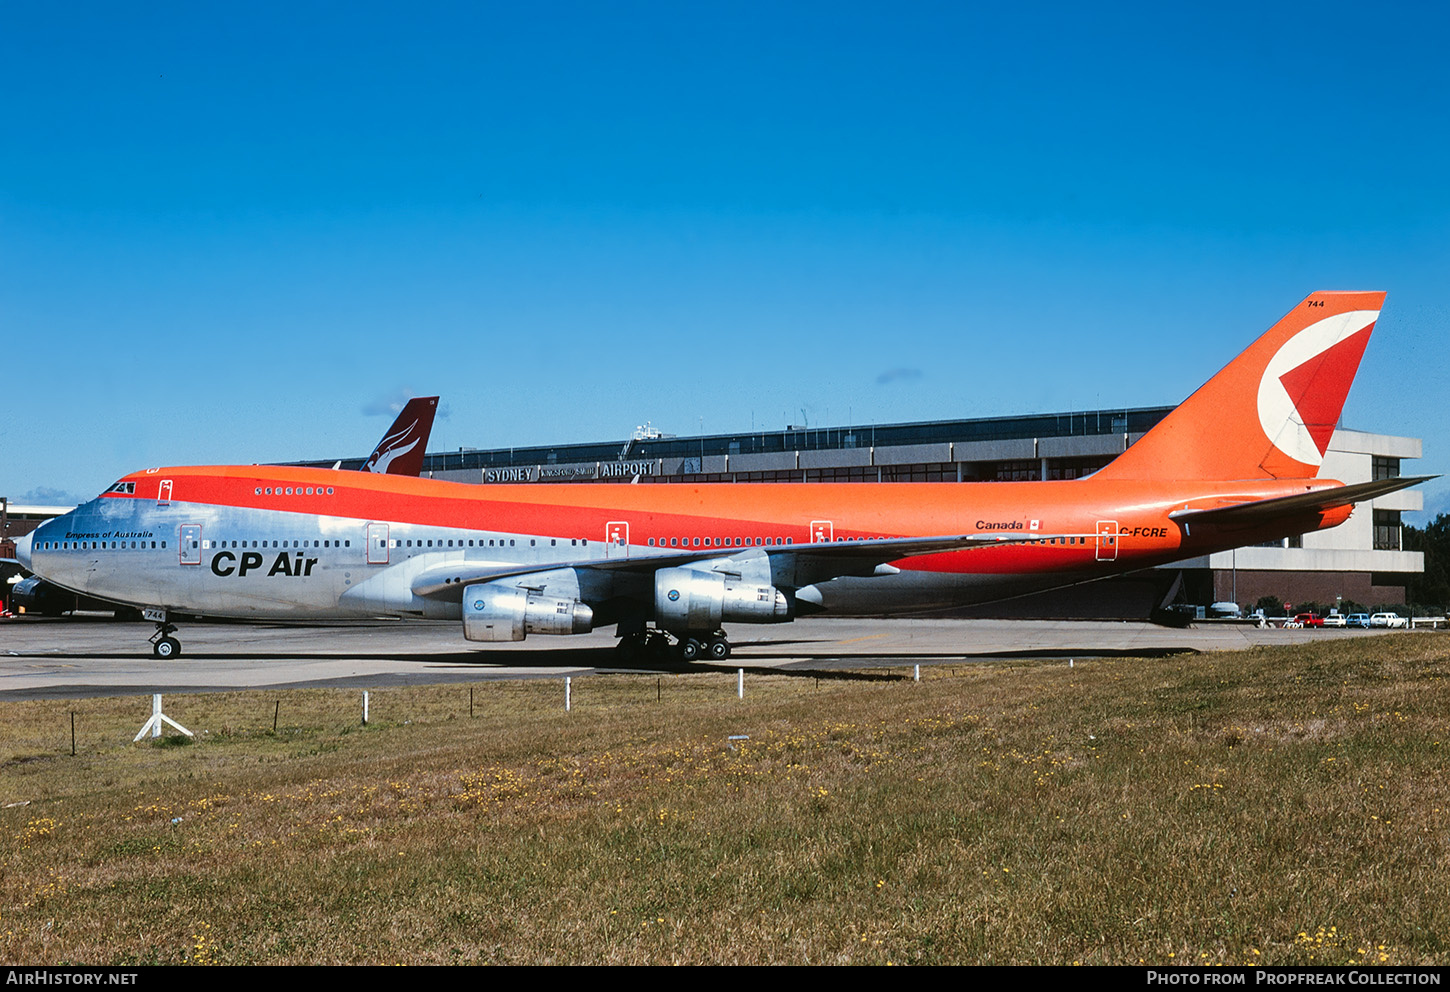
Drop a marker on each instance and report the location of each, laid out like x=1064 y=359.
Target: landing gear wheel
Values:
x=690 y=649
x=163 y=645
x=718 y=649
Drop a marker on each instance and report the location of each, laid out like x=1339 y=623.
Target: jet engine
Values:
x=496 y=611
x=688 y=599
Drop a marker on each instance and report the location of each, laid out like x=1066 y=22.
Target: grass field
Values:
x=1274 y=806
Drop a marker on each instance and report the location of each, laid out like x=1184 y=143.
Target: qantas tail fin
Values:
x=1269 y=414
x=401 y=450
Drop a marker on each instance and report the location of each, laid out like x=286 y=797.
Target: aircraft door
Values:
x=616 y=538
x=1107 y=540
x=822 y=531
x=163 y=493
x=191 y=544
x=377 y=544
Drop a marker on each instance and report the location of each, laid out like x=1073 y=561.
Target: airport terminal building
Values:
x=1360 y=560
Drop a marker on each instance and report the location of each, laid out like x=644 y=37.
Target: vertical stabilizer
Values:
x=401 y=450
x=1269 y=414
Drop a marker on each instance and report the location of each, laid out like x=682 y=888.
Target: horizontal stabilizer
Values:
x=1317 y=501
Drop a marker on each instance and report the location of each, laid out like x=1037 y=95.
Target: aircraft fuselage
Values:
x=295 y=542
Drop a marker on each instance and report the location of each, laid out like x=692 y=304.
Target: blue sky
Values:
x=232 y=234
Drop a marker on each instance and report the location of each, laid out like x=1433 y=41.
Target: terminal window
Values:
x=1387 y=530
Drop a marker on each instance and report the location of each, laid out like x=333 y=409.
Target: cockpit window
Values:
x=123 y=487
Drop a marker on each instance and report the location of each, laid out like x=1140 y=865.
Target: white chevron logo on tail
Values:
x=1295 y=386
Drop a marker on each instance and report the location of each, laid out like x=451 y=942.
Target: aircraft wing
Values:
x=806 y=563
x=1259 y=511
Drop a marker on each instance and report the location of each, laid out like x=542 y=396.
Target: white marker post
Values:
x=365 y=707
x=740 y=683
x=157 y=719
x=568 y=693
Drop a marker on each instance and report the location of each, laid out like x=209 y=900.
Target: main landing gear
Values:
x=713 y=647
x=655 y=645
x=163 y=645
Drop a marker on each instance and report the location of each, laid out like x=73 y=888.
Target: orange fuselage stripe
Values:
x=746 y=511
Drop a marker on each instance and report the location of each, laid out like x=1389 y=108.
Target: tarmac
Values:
x=93 y=655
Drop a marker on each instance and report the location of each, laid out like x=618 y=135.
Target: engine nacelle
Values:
x=496 y=611
x=687 y=599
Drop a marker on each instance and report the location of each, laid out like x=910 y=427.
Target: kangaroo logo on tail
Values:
x=401 y=450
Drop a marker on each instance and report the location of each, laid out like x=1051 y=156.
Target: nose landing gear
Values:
x=163 y=645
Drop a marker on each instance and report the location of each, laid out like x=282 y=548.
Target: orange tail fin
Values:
x=1269 y=414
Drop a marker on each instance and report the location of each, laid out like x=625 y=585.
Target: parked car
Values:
x=1334 y=620
x=1357 y=620
x=1224 y=610
x=1388 y=620
x=1308 y=620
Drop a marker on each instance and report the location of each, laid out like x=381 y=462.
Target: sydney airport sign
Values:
x=612 y=471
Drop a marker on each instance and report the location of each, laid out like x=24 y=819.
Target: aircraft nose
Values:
x=22 y=550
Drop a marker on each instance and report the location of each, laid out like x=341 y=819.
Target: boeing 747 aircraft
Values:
x=670 y=565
